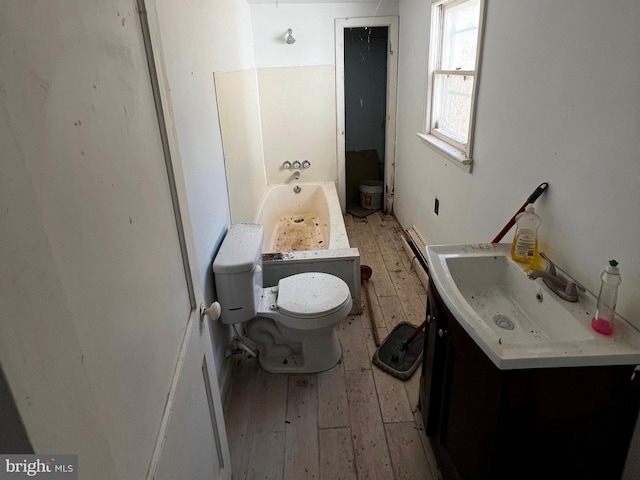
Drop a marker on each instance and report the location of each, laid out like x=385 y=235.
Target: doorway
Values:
x=365 y=102
x=366 y=79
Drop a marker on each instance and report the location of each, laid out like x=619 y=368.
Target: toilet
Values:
x=294 y=323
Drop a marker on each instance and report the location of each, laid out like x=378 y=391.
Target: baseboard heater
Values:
x=417 y=250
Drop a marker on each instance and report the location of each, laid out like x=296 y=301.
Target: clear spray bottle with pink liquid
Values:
x=606 y=310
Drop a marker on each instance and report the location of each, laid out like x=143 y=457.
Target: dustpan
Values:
x=397 y=359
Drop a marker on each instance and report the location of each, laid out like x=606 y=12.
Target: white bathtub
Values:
x=305 y=232
x=308 y=220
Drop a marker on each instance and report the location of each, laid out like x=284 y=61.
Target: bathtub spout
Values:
x=296 y=175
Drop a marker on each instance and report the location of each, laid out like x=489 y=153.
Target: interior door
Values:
x=195 y=436
x=192 y=441
x=100 y=339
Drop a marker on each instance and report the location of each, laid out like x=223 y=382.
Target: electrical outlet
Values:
x=436 y=206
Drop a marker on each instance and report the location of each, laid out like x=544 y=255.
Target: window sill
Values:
x=454 y=154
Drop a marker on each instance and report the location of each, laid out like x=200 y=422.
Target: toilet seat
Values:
x=311 y=295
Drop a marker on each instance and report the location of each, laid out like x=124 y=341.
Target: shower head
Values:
x=289 y=37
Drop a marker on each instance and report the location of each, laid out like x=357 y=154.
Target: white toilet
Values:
x=293 y=324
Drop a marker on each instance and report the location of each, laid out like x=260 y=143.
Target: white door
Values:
x=195 y=445
x=100 y=341
x=192 y=442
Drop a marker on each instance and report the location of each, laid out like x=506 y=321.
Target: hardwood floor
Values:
x=353 y=421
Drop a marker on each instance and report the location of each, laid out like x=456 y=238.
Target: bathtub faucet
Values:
x=296 y=175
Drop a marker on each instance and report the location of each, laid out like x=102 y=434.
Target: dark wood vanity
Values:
x=545 y=423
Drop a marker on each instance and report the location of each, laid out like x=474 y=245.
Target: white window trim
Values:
x=460 y=156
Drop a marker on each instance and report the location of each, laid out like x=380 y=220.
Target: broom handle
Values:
x=532 y=198
x=413 y=336
x=376 y=338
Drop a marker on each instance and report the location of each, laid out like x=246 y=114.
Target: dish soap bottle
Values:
x=525 y=242
x=606 y=310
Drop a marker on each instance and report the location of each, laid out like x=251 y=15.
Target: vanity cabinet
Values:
x=487 y=423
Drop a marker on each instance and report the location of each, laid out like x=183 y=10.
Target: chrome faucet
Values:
x=566 y=289
x=296 y=175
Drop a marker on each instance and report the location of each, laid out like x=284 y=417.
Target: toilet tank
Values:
x=237 y=269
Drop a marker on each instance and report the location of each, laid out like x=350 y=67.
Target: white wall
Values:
x=209 y=58
x=558 y=102
x=230 y=27
x=313 y=28
x=239 y=108
x=298 y=111
x=191 y=48
x=297 y=83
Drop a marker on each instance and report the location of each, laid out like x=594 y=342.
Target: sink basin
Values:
x=509 y=304
x=518 y=322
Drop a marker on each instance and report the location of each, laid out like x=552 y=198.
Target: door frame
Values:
x=392 y=83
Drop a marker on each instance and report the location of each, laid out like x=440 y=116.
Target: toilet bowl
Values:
x=294 y=323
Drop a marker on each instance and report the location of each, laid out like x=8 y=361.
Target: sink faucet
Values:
x=565 y=288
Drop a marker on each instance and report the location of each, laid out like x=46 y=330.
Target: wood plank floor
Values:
x=353 y=421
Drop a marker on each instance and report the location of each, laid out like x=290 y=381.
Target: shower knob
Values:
x=306 y=164
x=286 y=165
x=296 y=164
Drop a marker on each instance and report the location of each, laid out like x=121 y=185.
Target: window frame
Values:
x=459 y=152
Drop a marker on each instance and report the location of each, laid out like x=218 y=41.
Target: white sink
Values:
x=520 y=323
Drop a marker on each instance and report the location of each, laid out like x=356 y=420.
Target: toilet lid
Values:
x=311 y=294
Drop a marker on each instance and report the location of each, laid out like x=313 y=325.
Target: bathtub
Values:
x=305 y=232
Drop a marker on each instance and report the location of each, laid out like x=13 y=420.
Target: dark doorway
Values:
x=365 y=90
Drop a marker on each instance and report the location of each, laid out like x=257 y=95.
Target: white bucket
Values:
x=371 y=194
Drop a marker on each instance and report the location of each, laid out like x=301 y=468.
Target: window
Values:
x=454 y=57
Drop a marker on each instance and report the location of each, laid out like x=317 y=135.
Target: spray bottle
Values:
x=606 y=310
